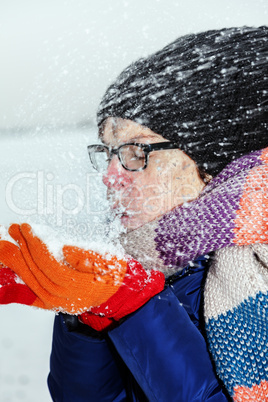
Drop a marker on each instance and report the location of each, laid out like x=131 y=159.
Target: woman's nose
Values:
x=116 y=176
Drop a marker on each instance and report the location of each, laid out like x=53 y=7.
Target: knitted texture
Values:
x=207 y=92
x=13 y=290
x=73 y=284
x=82 y=280
x=230 y=218
x=236 y=308
x=232 y=209
x=139 y=286
x=145 y=251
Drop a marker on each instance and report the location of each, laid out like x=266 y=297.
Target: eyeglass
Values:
x=132 y=156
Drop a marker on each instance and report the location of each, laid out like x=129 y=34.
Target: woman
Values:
x=195 y=110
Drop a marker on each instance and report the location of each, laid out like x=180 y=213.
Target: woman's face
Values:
x=170 y=178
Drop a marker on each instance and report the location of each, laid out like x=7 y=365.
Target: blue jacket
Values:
x=158 y=353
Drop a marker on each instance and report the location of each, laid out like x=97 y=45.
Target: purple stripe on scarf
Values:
x=205 y=224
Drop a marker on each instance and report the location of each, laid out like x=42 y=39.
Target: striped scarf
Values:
x=230 y=217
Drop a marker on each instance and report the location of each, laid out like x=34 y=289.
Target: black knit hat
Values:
x=207 y=92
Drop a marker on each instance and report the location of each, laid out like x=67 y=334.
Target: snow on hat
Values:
x=206 y=91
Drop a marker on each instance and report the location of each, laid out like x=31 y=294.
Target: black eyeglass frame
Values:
x=147 y=148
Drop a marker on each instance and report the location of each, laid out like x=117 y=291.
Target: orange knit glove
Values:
x=139 y=286
x=55 y=284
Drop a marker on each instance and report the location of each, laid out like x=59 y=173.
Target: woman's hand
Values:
x=57 y=285
x=105 y=289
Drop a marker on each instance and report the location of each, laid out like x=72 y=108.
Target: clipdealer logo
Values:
x=50 y=197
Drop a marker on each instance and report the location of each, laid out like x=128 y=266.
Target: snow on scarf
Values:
x=232 y=211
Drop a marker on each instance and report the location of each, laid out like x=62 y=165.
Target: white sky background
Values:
x=57 y=59
x=58 y=56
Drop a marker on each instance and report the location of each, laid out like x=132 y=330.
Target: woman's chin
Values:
x=131 y=222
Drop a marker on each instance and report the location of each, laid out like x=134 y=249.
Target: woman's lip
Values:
x=124 y=218
x=118 y=210
x=121 y=213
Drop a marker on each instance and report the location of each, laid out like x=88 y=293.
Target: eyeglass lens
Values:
x=99 y=157
x=131 y=157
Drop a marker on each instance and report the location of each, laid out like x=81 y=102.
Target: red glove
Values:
x=13 y=290
x=55 y=285
x=138 y=287
x=110 y=287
